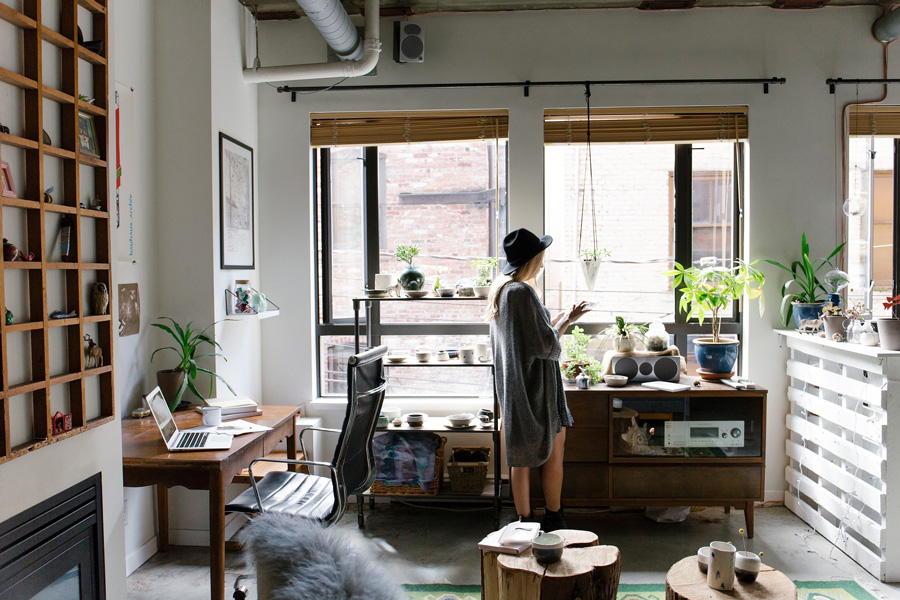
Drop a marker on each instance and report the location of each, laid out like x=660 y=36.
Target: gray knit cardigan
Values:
x=527 y=377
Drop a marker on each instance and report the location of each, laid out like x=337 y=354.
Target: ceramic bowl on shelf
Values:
x=375 y=293
x=416 y=419
x=461 y=419
x=415 y=293
x=444 y=292
x=397 y=356
x=615 y=380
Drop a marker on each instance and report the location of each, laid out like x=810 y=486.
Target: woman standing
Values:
x=526 y=349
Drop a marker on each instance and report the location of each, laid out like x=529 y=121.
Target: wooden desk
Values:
x=147 y=461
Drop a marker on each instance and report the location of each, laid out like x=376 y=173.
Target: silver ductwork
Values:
x=334 y=24
x=886 y=29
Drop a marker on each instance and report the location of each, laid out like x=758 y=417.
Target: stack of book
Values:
x=235 y=407
x=515 y=538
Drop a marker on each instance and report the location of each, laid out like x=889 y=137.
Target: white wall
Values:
x=792 y=180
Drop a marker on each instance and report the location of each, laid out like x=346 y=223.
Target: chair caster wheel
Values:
x=240 y=592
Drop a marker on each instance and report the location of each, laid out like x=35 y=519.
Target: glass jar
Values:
x=657 y=338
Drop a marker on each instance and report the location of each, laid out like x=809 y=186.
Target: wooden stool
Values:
x=685 y=581
x=587 y=571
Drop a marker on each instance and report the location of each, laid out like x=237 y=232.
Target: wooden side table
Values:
x=587 y=571
x=685 y=581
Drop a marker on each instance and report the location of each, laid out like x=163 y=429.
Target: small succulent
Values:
x=832 y=310
x=406 y=253
x=594 y=253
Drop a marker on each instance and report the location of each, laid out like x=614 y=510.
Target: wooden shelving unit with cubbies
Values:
x=47 y=106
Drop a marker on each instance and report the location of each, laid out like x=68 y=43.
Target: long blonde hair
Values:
x=527 y=273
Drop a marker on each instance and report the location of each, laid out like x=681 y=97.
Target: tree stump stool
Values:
x=685 y=581
x=587 y=571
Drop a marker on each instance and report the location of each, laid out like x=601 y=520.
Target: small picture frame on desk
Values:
x=87 y=135
x=7 y=183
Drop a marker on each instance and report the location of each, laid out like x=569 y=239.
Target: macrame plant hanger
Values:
x=589 y=258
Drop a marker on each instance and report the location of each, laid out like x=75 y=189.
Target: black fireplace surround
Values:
x=55 y=549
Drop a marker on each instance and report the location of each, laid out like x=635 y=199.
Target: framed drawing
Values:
x=87 y=136
x=236 y=234
x=6 y=181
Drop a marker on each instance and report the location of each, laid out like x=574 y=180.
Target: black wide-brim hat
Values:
x=521 y=246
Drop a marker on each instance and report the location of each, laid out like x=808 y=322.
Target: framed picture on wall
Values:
x=236 y=234
x=6 y=181
x=87 y=135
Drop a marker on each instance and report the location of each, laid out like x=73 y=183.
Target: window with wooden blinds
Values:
x=377 y=129
x=617 y=125
x=876 y=120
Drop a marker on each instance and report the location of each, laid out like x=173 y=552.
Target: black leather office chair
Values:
x=352 y=470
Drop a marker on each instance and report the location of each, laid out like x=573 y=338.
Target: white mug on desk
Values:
x=212 y=415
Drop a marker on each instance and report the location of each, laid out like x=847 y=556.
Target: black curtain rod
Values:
x=526 y=85
x=840 y=81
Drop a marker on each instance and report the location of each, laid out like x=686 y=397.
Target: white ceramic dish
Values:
x=376 y=293
x=450 y=426
x=461 y=419
x=445 y=292
x=397 y=358
x=415 y=293
x=615 y=380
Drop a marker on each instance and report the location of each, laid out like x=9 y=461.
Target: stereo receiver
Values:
x=698 y=434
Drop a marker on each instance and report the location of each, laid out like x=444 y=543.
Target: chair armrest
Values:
x=305 y=429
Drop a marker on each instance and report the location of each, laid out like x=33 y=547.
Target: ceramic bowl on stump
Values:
x=548 y=548
x=703 y=555
x=461 y=419
x=746 y=566
x=615 y=380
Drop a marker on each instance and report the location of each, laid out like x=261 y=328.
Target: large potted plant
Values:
x=412 y=278
x=889 y=327
x=804 y=295
x=187 y=341
x=575 y=348
x=708 y=290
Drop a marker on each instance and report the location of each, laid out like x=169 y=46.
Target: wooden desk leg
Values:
x=748 y=517
x=162 y=516
x=217 y=536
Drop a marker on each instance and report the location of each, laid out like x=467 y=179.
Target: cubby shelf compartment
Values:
x=231 y=299
x=27 y=347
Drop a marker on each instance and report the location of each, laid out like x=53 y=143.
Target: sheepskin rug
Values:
x=297 y=559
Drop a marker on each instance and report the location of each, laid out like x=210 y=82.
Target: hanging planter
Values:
x=590 y=264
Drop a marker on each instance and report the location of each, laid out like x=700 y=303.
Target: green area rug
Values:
x=806 y=590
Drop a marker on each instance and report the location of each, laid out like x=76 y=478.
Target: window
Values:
x=437 y=181
x=647 y=171
x=872 y=179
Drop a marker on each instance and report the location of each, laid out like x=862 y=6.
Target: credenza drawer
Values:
x=580 y=480
x=680 y=481
x=587 y=444
x=589 y=410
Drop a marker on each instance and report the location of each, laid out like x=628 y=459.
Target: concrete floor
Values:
x=432 y=543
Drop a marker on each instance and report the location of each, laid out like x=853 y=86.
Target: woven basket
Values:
x=380 y=489
x=467 y=477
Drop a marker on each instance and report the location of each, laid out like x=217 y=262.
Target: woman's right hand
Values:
x=576 y=311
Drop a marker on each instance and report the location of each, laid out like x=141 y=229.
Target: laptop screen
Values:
x=162 y=414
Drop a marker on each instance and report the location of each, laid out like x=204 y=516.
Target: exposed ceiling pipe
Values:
x=886 y=28
x=335 y=26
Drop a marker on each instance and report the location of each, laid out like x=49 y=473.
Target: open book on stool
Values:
x=515 y=538
x=234 y=407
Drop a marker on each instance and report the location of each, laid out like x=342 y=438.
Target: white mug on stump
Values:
x=720 y=575
x=212 y=415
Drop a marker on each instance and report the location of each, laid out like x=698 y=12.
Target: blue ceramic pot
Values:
x=412 y=278
x=716 y=357
x=836 y=299
x=806 y=311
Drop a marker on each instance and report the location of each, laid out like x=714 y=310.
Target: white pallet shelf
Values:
x=842 y=399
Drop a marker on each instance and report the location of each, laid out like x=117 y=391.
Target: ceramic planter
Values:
x=807 y=312
x=590 y=268
x=169 y=382
x=834 y=328
x=716 y=357
x=889 y=333
x=623 y=343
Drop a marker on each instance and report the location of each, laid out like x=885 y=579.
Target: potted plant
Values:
x=412 y=278
x=575 y=349
x=590 y=264
x=187 y=341
x=623 y=335
x=484 y=274
x=889 y=327
x=708 y=290
x=806 y=303
x=833 y=317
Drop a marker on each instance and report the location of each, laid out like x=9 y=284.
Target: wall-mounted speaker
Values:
x=409 y=42
x=647 y=368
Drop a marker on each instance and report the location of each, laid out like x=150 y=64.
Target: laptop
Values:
x=180 y=441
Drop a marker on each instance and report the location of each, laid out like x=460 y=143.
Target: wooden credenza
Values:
x=721 y=461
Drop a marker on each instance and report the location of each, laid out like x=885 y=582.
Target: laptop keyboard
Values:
x=192 y=440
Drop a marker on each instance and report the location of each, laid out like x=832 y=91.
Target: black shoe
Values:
x=553 y=520
x=529 y=519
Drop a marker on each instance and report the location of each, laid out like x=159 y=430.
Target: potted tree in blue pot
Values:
x=706 y=291
x=804 y=295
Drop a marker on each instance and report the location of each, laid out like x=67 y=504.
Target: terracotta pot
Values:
x=169 y=382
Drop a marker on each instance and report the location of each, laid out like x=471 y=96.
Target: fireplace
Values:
x=54 y=550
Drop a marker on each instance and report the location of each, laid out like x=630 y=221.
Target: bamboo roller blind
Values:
x=709 y=123
x=371 y=129
x=875 y=120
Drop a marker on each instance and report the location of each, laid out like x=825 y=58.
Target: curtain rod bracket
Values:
x=765 y=88
x=527 y=87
